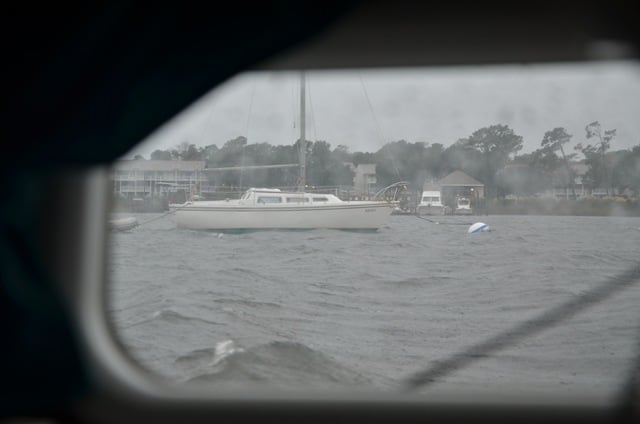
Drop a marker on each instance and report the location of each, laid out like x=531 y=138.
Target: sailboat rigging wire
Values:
x=375 y=119
x=242 y=159
x=545 y=320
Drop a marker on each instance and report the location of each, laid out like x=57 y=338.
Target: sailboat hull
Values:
x=347 y=216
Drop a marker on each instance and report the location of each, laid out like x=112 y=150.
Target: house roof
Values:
x=159 y=165
x=459 y=178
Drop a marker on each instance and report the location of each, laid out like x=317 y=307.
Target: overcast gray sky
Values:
x=434 y=105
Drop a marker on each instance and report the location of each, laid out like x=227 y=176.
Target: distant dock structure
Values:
x=457 y=187
x=141 y=185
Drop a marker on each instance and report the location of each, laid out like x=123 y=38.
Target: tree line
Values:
x=489 y=154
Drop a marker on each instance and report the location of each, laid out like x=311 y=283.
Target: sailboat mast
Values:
x=302 y=147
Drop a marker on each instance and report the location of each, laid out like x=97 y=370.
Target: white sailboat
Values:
x=261 y=209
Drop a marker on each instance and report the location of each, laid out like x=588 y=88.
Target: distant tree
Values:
x=496 y=144
x=541 y=159
x=161 y=155
x=283 y=176
x=400 y=160
x=498 y=140
x=255 y=154
x=193 y=153
x=363 y=157
x=230 y=154
x=235 y=143
x=319 y=164
x=434 y=160
x=542 y=166
x=341 y=153
x=460 y=156
x=327 y=168
x=554 y=140
x=626 y=173
x=521 y=179
x=594 y=130
x=342 y=174
x=209 y=153
x=415 y=162
x=138 y=157
x=599 y=173
x=187 y=151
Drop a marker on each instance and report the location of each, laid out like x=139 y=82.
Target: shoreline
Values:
x=581 y=207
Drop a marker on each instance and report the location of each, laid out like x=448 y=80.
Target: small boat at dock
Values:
x=430 y=203
x=463 y=206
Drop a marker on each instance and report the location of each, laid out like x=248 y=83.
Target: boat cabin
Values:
x=430 y=203
x=271 y=196
x=463 y=203
x=463 y=206
x=430 y=198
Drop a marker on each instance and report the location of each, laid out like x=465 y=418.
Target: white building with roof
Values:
x=140 y=178
x=458 y=184
x=364 y=179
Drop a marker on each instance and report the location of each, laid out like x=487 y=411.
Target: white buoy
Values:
x=478 y=227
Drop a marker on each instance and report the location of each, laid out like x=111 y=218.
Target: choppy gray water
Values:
x=325 y=308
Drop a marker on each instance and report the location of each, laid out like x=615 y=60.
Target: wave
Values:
x=209 y=358
x=174 y=317
x=281 y=364
x=246 y=302
x=250 y=275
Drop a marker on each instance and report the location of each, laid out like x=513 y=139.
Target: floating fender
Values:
x=478 y=227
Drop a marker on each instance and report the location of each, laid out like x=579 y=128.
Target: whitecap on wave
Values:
x=286 y=365
x=223 y=350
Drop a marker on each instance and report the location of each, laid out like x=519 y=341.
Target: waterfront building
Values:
x=150 y=178
x=364 y=179
x=460 y=185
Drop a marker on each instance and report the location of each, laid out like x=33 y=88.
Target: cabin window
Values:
x=269 y=199
x=320 y=199
x=297 y=200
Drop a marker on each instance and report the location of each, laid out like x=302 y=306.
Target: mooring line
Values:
x=156 y=218
x=443 y=223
